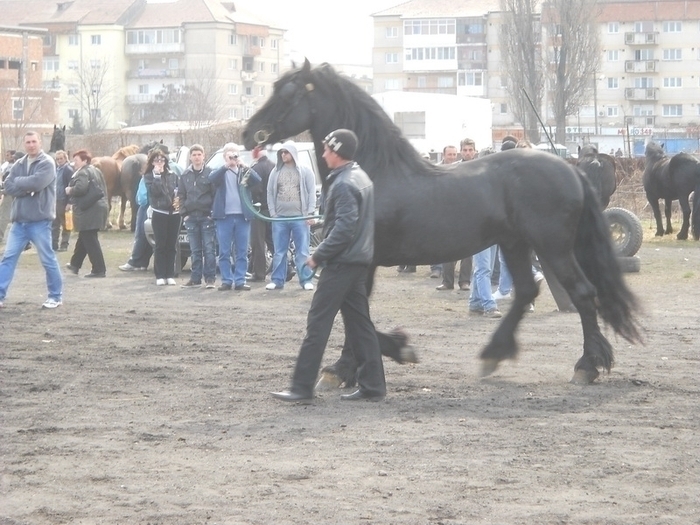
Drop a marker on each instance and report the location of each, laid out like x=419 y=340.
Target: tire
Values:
x=629 y=264
x=626 y=231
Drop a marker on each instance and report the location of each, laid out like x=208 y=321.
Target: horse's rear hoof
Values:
x=328 y=381
x=408 y=355
x=488 y=367
x=584 y=377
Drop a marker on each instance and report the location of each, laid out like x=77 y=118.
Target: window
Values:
x=233 y=89
x=72 y=89
x=173 y=63
x=50 y=64
x=436 y=26
x=392 y=32
x=73 y=40
x=613 y=55
x=391 y=58
x=430 y=53
x=232 y=39
x=95 y=114
x=474 y=28
x=72 y=113
x=644 y=54
x=95 y=63
x=73 y=64
x=504 y=108
x=613 y=83
x=261 y=91
x=143 y=89
x=96 y=40
x=672 y=27
x=612 y=111
x=672 y=110
x=273 y=68
x=644 y=27
x=273 y=43
x=613 y=27
x=645 y=110
x=422 y=82
x=249 y=91
x=445 y=82
x=233 y=63
x=262 y=42
x=643 y=82
x=391 y=84
x=48 y=40
x=672 y=54
x=17 y=108
x=471 y=78
x=262 y=67
x=673 y=82
x=248 y=113
x=233 y=113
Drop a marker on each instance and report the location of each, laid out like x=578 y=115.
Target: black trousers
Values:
x=59 y=223
x=165 y=230
x=341 y=287
x=88 y=244
x=260 y=237
x=465 y=272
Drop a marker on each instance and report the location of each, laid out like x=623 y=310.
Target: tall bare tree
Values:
x=94 y=94
x=523 y=61
x=574 y=55
x=550 y=47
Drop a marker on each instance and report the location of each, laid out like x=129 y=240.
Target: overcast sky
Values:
x=334 y=31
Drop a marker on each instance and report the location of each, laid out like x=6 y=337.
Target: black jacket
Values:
x=348 y=227
x=195 y=193
x=161 y=190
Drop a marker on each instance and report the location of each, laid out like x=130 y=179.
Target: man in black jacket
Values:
x=346 y=254
x=260 y=231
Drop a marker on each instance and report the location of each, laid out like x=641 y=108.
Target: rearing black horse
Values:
x=672 y=179
x=519 y=199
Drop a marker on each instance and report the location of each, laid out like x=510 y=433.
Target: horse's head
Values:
x=654 y=152
x=58 y=139
x=153 y=144
x=588 y=153
x=286 y=113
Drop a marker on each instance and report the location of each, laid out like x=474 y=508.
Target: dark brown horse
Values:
x=671 y=179
x=520 y=199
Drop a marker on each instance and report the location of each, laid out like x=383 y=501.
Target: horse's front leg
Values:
x=122 y=212
x=685 y=208
x=667 y=212
x=657 y=217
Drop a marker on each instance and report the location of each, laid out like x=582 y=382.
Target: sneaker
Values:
x=531 y=308
x=210 y=285
x=160 y=282
x=539 y=277
x=497 y=296
x=127 y=268
x=190 y=284
x=72 y=269
x=273 y=286
x=308 y=286
x=2 y=305
x=494 y=313
x=52 y=303
x=171 y=281
x=225 y=287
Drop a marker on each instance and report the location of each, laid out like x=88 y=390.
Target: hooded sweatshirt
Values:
x=307 y=184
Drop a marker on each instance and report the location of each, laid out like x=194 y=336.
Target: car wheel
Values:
x=626 y=231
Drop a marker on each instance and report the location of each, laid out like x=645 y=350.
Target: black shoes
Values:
x=292 y=397
x=443 y=287
x=242 y=287
x=224 y=287
x=72 y=269
x=92 y=274
x=359 y=395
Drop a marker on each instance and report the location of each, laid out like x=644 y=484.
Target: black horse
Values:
x=600 y=170
x=519 y=199
x=58 y=139
x=671 y=179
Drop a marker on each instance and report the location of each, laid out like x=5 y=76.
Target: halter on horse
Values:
x=519 y=199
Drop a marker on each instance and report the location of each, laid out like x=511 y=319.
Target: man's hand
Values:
x=311 y=263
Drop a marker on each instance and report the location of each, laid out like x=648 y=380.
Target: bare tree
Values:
x=94 y=94
x=574 y=55
x=20 y=110
x=562 y=60
x=522 y=60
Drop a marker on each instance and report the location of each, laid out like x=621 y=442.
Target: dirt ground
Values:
x=133 y=404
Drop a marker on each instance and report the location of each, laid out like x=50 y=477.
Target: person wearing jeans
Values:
x=142 y=251
x=32 y=183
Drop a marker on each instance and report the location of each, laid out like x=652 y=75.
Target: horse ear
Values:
x=55 y=127
x=64 y=128
x=306 y=68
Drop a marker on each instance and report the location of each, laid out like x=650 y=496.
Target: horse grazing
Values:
x=58 y=139
x=600 y=170
x=520 y=199
x=671 y=179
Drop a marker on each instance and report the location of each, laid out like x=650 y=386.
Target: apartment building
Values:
x=648 y=84
x=111 y=62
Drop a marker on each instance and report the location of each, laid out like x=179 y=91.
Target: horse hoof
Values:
x=584 y=377
x=408 y=355
x=328 y=381
x=488 y=367
x=122 y=226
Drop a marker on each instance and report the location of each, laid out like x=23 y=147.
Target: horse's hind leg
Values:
x=597 y=351
x=667 y=212
x=122 y=212
x=503 y=345
x=685 y=208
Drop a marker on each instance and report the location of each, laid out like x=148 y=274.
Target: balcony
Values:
x=140 y=99
x=154 y=49
x=476 y=38
x=471 y=65
x=248 y=76
x=640 y=66
x=155 y=73
x=250 y=50
x=641 y=93
x=641 y=39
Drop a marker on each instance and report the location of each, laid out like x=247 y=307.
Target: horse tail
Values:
x=596 y=255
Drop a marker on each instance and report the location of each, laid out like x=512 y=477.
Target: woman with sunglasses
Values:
x=161 y=184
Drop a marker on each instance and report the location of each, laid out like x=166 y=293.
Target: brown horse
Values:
x=111 y=170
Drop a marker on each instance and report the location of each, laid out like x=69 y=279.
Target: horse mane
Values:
x=126 y=151
x=382 y=145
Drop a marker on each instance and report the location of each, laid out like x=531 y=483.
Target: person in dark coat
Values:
x=260 y=231
x=64 y=172
x=87 y=222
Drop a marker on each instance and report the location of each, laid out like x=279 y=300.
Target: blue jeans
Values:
x=201 y=232
x=282 y=232
x=505 y=279
x=233 y=229
x=142 y=250
x=39 y=234
x=481 y=299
